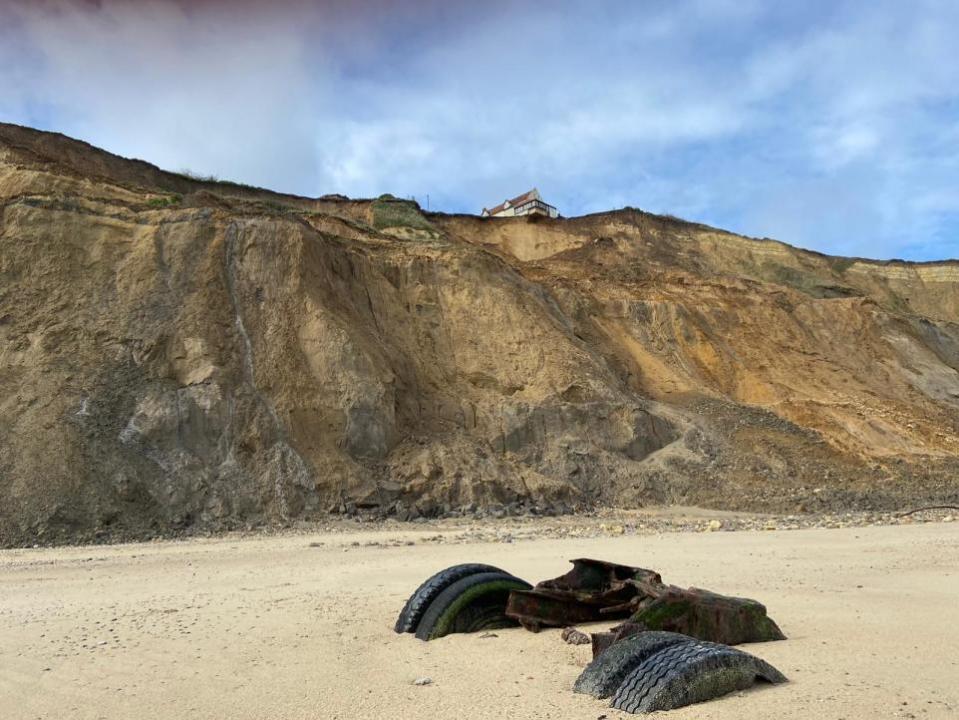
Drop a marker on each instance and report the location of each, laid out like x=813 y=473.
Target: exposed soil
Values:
x=179 y=356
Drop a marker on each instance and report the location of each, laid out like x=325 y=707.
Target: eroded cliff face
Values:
x=177 y=354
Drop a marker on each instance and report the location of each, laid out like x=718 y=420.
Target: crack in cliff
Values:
x=301 y=468
x=229 y=258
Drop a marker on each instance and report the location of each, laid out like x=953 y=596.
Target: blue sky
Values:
x=829 y=125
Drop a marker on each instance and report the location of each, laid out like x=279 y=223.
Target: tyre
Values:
x=603 y=676
x=476 y=602
x=425 y=594
x=690 y=673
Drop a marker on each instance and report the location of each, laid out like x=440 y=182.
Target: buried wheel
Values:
x=690 y=673
x=473 y=603
x=427 y=592
x=603 y=676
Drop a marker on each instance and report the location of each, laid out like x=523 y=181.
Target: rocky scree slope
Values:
x=178 y=355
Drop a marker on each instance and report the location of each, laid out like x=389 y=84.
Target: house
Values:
x=529 y=203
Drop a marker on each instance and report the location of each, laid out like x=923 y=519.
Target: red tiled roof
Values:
x=518 y=200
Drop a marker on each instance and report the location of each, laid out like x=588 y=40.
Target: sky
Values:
x=833 y=126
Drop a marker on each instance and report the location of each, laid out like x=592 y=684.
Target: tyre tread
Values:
x=687 y=673
x=419 y=601
x=445 y=600
x=603 y=676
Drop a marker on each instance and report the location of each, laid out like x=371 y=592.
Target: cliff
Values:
x=178 y=354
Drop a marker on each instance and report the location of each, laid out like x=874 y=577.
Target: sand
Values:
x=283 y=627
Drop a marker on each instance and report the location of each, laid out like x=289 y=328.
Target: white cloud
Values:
x=825 y=127
x=150 y=80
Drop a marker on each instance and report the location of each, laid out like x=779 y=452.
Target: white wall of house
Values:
x=511 y=210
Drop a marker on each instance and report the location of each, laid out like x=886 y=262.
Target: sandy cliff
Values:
x=177 y=354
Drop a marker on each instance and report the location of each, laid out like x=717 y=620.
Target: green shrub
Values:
x=841 y=264
x=389 y=211
x=166 y=201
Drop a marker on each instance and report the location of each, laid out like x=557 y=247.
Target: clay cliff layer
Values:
x=178 y=354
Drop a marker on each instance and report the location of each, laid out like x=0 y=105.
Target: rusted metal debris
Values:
x=575 y=637
x=598 y=590
x=705 y=615
x=602 y=640
x=656 y=660
x=592 y=590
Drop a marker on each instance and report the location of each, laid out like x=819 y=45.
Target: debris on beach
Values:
x=673 y=649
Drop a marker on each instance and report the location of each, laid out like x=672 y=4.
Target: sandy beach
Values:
x=300 y=626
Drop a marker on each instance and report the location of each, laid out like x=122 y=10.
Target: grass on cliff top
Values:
x=389 y=211
x=199 y=177
x=165 y=201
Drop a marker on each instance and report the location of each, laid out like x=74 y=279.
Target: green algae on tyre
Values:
x=421 y=598
x=476 y=602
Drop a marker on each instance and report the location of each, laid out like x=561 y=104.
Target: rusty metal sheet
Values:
x=599 y=590
x=592 y=590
